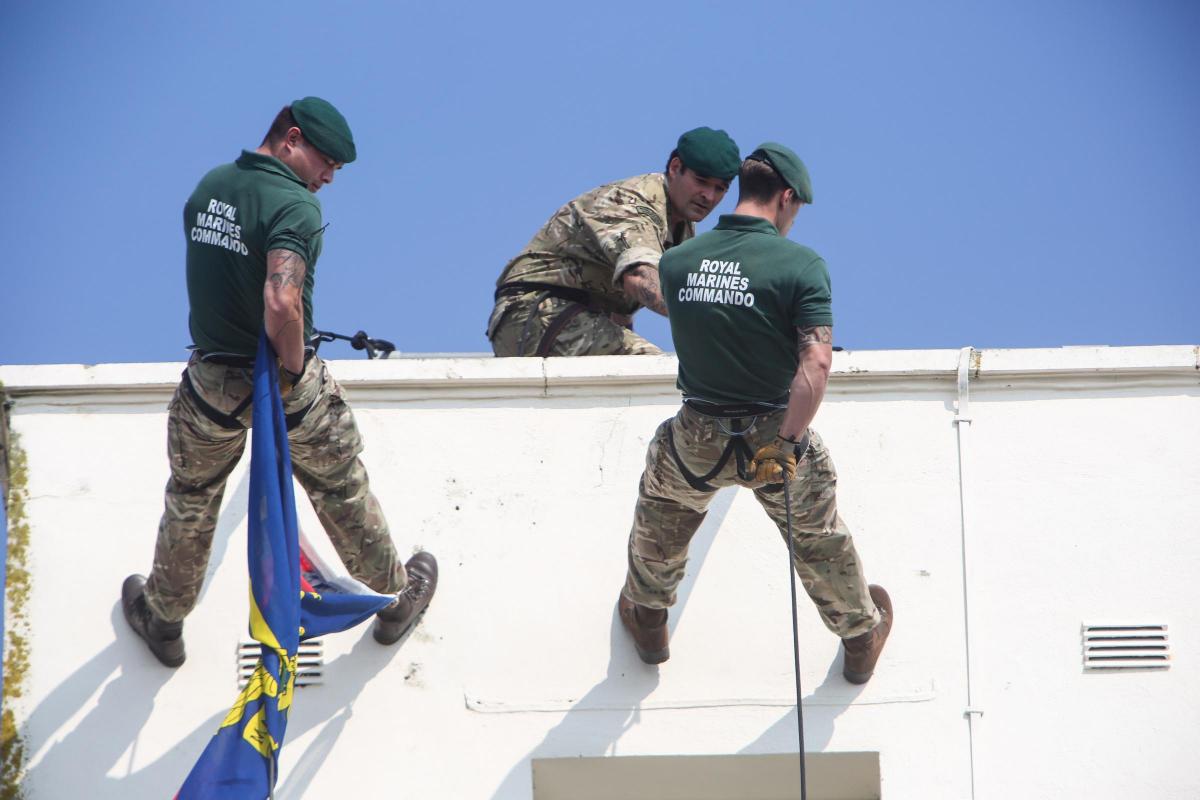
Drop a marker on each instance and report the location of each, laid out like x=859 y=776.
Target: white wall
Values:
x=521 y=474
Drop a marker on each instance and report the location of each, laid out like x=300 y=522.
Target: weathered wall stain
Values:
x=14 y=470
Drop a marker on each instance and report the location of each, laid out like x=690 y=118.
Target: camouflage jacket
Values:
x=593 y=240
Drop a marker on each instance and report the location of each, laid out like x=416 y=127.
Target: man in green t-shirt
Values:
x=254 y=232
x=574 y=288
x=752 y=326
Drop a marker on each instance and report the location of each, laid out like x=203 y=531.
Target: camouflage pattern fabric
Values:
x=593 y=240
x=669 y=510
x=324 y=447
x=519 y=322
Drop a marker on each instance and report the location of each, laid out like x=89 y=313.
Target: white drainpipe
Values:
x=962 y=421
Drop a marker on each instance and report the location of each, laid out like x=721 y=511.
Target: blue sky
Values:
x=1018 y=174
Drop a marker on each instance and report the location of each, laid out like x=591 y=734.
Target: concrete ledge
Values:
x=1158 y=359
x=504 y=375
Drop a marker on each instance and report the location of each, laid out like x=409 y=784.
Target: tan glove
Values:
x=287 y=381
x=775 y=462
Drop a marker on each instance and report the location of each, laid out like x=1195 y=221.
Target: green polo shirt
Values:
x=237 y=213
x=736 y=296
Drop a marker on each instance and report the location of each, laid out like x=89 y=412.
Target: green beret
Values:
x=325 y=127
x=788 y=165
x=711 y=153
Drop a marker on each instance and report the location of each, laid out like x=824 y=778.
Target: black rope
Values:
x=787 y=507
x=376 y=348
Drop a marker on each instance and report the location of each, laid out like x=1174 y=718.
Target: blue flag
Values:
x=241 y=761
x=332 y=601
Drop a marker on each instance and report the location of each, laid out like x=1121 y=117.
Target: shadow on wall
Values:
x=87 y=761
x=597 y=721
x=586 y=729
x=332 y=708
x=83 y=762
x=822 y=706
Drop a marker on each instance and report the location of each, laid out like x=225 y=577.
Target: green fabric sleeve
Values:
x=297 y=227
x=813 y=303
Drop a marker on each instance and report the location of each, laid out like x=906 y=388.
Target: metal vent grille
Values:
x=1121 y=646
x=311 y=670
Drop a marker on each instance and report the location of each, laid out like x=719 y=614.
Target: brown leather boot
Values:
x=396 y=620
x=648 y=627
x=165 y=639
x=863 y=651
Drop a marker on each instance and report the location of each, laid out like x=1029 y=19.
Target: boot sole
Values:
x=857 y=677
x=653 y=656
x=166 y=661
x=411 y=627
x=173 y=663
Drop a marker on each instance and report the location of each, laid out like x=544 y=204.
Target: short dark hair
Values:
x=682 y=166
x=758 y=181
x=283 y=122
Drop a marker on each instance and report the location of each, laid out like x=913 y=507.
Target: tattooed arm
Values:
x=284 y=310
x=640 y=284
x=808 y=385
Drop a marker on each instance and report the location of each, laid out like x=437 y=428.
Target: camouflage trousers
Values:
x=324 y=447
x=519 y=324
x=669 y=511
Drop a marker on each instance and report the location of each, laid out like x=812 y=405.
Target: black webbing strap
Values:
x=227 y=421
x=736 y=446
x=741 y=450
x=230 y=421
x=546 y=343
x=553 y=290
x=727 y=410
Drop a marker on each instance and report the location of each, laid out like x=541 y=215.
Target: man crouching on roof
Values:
x=574 y=288
x=254 y=233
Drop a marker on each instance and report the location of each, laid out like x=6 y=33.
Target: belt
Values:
x=735 y=410
x=561 y=292
x=239 y=362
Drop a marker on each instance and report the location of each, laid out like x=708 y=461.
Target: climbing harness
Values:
x=579 y=300
x=736 y=414
x=230 y=421
x=376 y=348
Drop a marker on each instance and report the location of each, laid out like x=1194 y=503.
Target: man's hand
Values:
x=624 y=320
x=775 y=462
x=287 y=380
x=640 y=284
